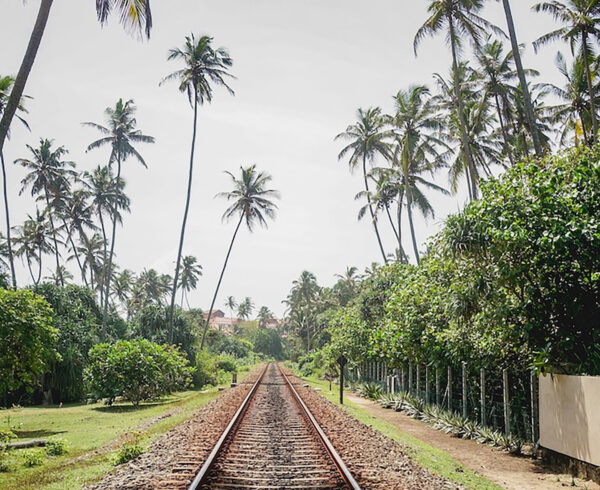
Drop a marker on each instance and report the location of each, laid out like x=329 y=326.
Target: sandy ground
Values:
x=511 y=472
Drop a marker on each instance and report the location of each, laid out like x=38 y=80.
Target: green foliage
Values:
x=27 y=337
x=137 y=370
x=226 y=363
x=128 y=452
x=78 y=319
x=56 y=447
x=220 y=343
x=205 y=372
x=268 y=342
x=33 y=457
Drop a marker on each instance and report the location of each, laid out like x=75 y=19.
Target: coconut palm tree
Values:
x=61 y=274
x=573 y=115
x=245 y=308
x=251 y=201
x=6 y=84
x=367 y=139
x=581 y=22
x=33 y=240
x=134 y=15
x=190 y=272
x=49 y=177
x=204 y=66
x=120 y=134
x=122 y=286
x=460 y=18
x=301 y=302
x=231 y=304
x=264 y=316
x=107 y=197
x=528 y=105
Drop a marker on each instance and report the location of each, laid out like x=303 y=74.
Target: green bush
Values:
x=136 y=370
x=128 y=452
x=33 y=457
x=56 y=447
x=205 y=372
x=227 y=364
x=27 y=338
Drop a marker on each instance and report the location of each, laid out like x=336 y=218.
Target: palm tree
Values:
x=231 y=304
x=301 y=303
x=252 y=202
x=32 y=240
x=416 y=149
x=245 y=308
x=121 y=134
x=203 y=67
x=527 y=100
x=122 y=286
x=106 y=197
x=6 y=84
x=581 y=20
x=367 y=139
x=49 y=177
x=573 y=115
x=134 y=15
x=61 y=274
x=190 y=272
x=264 y=316
x=460 y=18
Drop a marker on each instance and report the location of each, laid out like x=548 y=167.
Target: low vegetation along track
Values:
x=273 y=441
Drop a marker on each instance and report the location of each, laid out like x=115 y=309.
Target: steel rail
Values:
x=342 y=468
x=201 y=475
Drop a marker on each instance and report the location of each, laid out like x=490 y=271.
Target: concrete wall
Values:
x=570 y=416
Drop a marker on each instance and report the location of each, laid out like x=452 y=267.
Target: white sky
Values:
x=303 y=68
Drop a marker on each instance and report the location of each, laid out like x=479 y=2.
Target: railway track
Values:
x=273 y=441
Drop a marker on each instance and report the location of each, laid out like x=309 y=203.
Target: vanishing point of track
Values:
x=273 y=441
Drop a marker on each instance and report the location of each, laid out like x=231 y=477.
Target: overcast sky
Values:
x=303 y=67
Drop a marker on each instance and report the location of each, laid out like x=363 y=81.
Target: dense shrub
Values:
x=136 y=370
x=205 y=372
x=27 y=339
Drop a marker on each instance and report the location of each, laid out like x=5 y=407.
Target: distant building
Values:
x=218 y=321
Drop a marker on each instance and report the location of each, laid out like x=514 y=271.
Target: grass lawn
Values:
x=430 y=458
x=88 y=428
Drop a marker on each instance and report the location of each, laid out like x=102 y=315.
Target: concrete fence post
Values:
x=438 y=376
x=418 y=381
x=464 y=390
x=449 y=389
x=427 y=391
x=482 y=392
x=410 y=378
x=506 y=399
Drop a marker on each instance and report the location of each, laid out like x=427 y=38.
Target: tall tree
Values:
x=191 y=270
x=367 y=139
x=460 y=18
x=6 y=84
x=134 y=15
x=251 y=200
x=33 y=241
x=204 y=66
x=231 y=304
x=527 y=100
x=264 y=316
x=49 y=177
x=245 y=308
x=120 y=134
x=581 y=22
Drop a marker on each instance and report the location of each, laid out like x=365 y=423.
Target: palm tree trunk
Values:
x=399 y=218
x=112 y=249
x=185 y=215
x=58 y=270
x=373 y=218
x=387 y=211
x=17 y=91
x=535 y=135
x=504 y=132
x=461 y=110
x=11 y=259
x=104 y=254
x=28 y=259
x=39 y=278
x=76 y=254
x=212 y=304
x=588 y=74
x=410 y=222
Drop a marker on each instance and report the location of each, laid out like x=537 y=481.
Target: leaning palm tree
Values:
x=49 y=177
x=367 y=139
x=204 y=67
x=581 y=25
x=6 y=84
x=460 y=19
x=245 y=309
x=191 y=270
x=120 y=134
x=134 y=15
x=528 y=105
x=252 y=202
